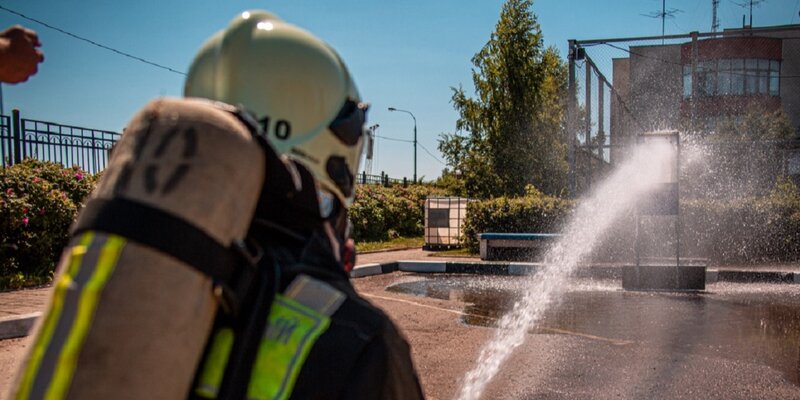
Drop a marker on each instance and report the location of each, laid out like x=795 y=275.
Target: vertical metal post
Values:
x=588 y=105
x=571 y=89
x=636 y=240
x=693 y=96
x=588 y=127
x=415 y=137
x=678 y=225
x=415 y=148
x=663 y=18
x=17 y=134
x=601 y=115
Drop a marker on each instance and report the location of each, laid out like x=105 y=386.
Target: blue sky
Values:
x=403 y=54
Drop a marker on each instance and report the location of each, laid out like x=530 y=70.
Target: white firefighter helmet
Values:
x=298 y=88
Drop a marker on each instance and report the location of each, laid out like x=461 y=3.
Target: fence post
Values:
x=17 y=136
x=695 y=85
x=363 y=177
x=572 y=88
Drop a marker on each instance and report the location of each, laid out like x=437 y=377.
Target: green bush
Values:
x=367 y=214
x=38 y=202
x=381 y=213
x=753 y=229
x=534 y=213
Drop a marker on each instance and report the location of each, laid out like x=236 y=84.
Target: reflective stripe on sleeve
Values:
x=87 y=306
x=296 y=320
x=214 y=364
x=293 y=329
x=55 y=352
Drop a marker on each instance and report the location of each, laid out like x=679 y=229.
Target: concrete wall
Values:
x=656 y=87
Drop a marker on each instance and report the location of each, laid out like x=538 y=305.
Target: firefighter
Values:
x=309 y=335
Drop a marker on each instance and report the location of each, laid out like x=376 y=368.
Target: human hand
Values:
x=19 y=57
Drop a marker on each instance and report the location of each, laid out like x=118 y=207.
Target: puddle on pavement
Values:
x=747 y=322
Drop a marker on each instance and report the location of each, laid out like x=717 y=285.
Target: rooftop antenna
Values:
x=750 y=4
x=663 y=14
x=714 y=19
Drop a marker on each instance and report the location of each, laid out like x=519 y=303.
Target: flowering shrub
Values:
x=38 y=202
x=381 y=213
x=73 y=181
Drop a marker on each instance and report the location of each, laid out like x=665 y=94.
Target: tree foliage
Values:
x=744 y=155
x=756 y=124
x=513 y=126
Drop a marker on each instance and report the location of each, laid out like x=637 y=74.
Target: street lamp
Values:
x=415 y=138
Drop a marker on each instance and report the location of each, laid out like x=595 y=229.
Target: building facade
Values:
x=699 y=83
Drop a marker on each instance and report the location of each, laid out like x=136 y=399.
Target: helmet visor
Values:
x=348 y=126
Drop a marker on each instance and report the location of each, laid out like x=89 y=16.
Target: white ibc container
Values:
x=444 y=221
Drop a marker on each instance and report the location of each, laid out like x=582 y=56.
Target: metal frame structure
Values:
x=577 y=52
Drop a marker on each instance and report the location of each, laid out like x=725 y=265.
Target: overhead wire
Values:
x=102 y=46
x=394 y=139
x=431 y=154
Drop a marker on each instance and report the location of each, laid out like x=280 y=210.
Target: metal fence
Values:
x=700 y=84
x=382 y=179
x=22 y=138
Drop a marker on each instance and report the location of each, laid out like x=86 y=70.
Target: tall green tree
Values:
x=514 y=133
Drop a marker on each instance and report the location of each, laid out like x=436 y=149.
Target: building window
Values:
x=687 y=81
x=707 y=78
x=724 y=78
x=737 y=77
x=733 y=77
x=774 y=78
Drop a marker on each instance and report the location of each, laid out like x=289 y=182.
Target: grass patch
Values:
x=463 y=252
x=20 y=281
x=398 y=243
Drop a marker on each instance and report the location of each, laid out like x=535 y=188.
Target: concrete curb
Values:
x=522 y=268
x=17 y=325
x=759 y=276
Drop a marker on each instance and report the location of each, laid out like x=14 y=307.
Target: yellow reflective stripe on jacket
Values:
x=56 y=305
x=72 y=310
x=293 y=329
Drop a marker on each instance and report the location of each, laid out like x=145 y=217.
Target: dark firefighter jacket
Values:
x=361 y=354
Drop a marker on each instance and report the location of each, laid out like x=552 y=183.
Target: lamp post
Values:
x=415 y=138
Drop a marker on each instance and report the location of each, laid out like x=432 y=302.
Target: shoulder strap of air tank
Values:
x=169 y=234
